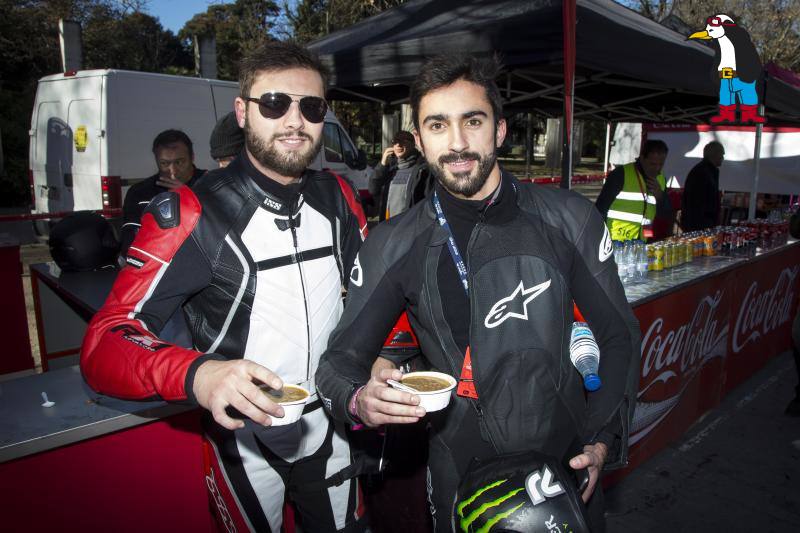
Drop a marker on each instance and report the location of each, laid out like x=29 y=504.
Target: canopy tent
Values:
x=628 y=68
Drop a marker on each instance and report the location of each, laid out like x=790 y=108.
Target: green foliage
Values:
x=116 y=34
x=312 y=19
x=238 y=28
x=773 y=26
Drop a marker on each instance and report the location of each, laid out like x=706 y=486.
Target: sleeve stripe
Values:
x=150 y=290
x=237 y=301
x=151 y=256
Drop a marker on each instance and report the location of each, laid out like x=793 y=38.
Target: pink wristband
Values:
x=353 y=407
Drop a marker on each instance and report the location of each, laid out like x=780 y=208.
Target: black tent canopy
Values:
x=628 y=68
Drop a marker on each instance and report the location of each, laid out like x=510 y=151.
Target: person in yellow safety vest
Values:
x=634 y=194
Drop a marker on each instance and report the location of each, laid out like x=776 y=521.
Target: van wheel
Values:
x=41 y=228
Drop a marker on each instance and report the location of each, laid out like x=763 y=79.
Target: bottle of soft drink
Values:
x=585 y=355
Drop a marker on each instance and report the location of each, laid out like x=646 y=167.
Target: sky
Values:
x=173 y=14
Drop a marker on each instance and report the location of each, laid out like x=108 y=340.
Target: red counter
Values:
x=703 y=339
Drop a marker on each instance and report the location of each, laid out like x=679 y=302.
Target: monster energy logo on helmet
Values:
x=523 y=492
x=489 y=505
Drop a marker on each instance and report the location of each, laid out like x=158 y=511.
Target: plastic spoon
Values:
x=399 y=386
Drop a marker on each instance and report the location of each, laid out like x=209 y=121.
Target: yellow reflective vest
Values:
x=633 y=207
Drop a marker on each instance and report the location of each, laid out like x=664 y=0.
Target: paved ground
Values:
x=737 y=470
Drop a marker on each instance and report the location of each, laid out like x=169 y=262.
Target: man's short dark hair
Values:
x=168 y=137
x=445 y=70
x=654 y=145
x=277 y=55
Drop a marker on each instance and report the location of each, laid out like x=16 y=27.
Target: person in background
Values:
x=401 y=178
x=635 y=193
x=227 y=140
x=174 y=156
x=700 y=203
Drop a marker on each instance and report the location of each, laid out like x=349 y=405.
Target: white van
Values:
x=92 y=133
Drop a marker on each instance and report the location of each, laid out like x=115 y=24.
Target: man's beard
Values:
x=462 y=182
x=292 y=163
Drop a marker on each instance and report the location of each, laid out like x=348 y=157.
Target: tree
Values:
x=238 y=28
x=116 y=34
x=312 y=19
x=773 y=26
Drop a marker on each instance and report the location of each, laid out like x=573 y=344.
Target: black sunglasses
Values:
x=275 y=105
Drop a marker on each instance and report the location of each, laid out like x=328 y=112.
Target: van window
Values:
x=333 y=145
x=348 y=152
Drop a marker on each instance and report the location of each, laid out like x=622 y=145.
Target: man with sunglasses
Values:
x=258 y=254
x=401 y=178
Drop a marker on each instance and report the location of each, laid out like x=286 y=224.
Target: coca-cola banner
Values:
x=765 y=300
x=684 y=344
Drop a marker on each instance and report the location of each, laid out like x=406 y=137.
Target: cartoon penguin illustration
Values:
x=737 y=70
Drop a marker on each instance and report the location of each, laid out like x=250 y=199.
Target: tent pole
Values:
x=528 y=144
x=608 y=147
x=568 y=21
x=757 y=156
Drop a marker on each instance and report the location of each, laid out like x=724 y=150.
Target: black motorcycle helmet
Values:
x=83 y=241
x=527 y=492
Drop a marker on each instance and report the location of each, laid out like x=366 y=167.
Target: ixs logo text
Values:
x=687 y=346
x=765 y=311
x=515 y=305
x=142 y=340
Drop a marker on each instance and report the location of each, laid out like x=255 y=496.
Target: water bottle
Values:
x=630 y=248
x=585 y=355
x=641 y=260
x=619 y=258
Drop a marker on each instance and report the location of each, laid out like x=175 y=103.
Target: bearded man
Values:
x=257 y=253
x=487 y=269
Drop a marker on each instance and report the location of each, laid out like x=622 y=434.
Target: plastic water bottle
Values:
x=621 y=260
x=585 y=355
x=630 y=254
x=641 y=260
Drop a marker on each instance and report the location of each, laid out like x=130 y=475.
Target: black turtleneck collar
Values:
x=497 y=208
x=269 y=185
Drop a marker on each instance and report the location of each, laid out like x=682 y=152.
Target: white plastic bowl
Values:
x=434 y=400
x=291 y=410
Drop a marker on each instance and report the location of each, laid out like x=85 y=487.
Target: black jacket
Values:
x=530 y=394
x=136 y=200
x=700 y=202
x=399 y=197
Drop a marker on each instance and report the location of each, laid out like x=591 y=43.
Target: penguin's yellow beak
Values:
x=700 y=35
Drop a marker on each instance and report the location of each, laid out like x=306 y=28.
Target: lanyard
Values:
x=458 y=260
x=647 y=230
x=466 y=385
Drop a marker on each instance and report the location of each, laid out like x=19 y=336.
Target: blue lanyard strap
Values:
x=458 y=260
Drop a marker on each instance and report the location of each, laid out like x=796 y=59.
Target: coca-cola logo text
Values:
x=689 y=345
x=762 y=312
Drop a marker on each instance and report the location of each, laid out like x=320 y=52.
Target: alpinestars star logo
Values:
x=606 y=245
x=356 y=273
x=514 y=306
